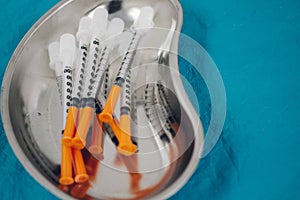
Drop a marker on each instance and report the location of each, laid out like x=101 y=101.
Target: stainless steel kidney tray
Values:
x=167 y=129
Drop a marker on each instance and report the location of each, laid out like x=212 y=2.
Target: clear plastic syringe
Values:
x=126 y=147
x=66 y=164
x=138 y=29
x=98 y=28
x=83 y=36
x=115 y=28
x=67 y=57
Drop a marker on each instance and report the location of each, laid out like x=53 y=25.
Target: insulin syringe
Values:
x=141 y=25
x=115 y=28
x=98 y=28
x=121 y=130
x=66 y=177
x=125 y=119
x=83 y=36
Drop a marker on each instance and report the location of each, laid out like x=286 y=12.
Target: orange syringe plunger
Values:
x=126 y=147
x=86 y=115
x=80 y=171
x=96 y=144
x=66 y=166
x=115 y=92
x=70 y=127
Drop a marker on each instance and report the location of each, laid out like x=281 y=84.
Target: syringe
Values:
x=115 y=28
x=145 y=17
x=141 y=25
x=66 y=164
x=67 y=56
x=116 y=132
x=98 y=29
x=126 y=147
x=97 y=139
x=83 y=36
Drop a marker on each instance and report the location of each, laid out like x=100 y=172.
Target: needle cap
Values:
x=99 y=23
x=84 y=30
x=67 y=49
x=115 y=28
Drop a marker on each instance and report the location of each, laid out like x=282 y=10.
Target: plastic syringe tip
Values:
x=84 y=29
x=67 y=49
x=99 y=22
x=53 y=51
x=145 y=19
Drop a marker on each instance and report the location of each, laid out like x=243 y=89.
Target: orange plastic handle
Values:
x=106 y=114
x=96 y=144
x=70 y=127
x=125 y=147
x=80 y=172
x=85 y=118
x=66 y=166
x=125 y=138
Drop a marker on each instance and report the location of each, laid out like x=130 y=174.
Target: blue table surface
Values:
x=256 y=46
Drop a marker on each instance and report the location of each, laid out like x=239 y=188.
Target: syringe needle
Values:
x=98 y=28
x=144 y=21
x=83 y=36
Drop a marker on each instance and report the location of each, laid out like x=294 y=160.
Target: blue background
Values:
x=256 y=46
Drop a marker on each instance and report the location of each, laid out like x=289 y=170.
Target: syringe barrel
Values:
x=80 y=73
x=127 y=59
x=92 y=64
x=95 y=84
x=66 y=89
x=126 y=95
